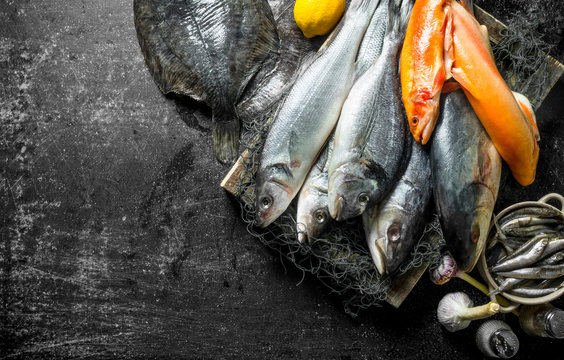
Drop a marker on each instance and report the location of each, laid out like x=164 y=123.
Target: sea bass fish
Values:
x=510 y=129
x=373 y=40
x=466 y=170
x=207 y=50
x=426 y=58
x=308 y=115
x=312 y=215
x=394 y=225
x=372 y=143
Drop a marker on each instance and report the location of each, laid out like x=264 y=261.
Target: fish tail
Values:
x=399 y=12
x=468 y=5
x=225 y=131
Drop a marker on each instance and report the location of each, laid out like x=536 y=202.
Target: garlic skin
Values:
x=456 y=311
x=448 y=310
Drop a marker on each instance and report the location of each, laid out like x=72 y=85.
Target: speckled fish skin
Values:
x=207 y=50
x=372 y=145
x=393 y=226
x=312 y=215
x=276 y=76
x=308 y=115
x=373 y=41
x=465 y=168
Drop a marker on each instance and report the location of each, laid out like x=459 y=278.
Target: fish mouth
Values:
x=302 y=233
x=379 y=255
x=339 y=208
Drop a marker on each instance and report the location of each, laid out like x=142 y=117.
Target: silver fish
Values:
x=207 y=50
x=537 y=272
x=372 y=142
x=533 y=292
x=393 y=226
x=466 y=169
x=526 y=255
x=308 y=115
x=373 y=40
x=312 y=215
x=279 y=71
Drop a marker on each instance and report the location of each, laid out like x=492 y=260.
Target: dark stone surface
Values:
x=116 y=240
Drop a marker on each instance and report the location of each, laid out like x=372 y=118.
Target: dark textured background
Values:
x=116 y=240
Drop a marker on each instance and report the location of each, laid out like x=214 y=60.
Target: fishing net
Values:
x=521 y=58
x=340 y=259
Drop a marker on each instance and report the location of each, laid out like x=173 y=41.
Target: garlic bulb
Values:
x=456 y=311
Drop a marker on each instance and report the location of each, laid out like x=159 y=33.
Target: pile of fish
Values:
x=341 y=137
x=527 y=259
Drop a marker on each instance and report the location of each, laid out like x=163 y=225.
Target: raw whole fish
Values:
x=372 y=142
x=465 y=170
x=207 y=50
x=394 y=225
x=426 y=58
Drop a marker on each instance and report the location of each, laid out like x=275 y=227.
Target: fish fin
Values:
x=225 y=131
x=450 y=87
x=448 y=45
x=468 y=5
x=527 y=109
x=462 y=78
x=399 y=12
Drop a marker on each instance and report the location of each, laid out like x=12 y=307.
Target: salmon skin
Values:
x=209 y=51
x=509 y=127
x=425 y=61
x=465 y=171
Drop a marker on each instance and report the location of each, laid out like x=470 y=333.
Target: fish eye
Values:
x=394 y=232
x=363 y=198
x=415 y=120
x=266 y=202
x=320 y=216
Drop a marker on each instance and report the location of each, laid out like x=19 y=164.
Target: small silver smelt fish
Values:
x=539 y=272
x=532 y=292
x=526 y=255
x=554 y=245
x=373 y=40
x=308 y=115
x=312 y=216
x=528 y=211
x=466 y=170
x=529 y=221
x=553 y=259
x=372 y=144
x=209 y=51
x=393 y=226
x=507 y=284
x=529 y=231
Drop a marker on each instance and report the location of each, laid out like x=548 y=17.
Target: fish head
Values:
x=422 y=112
x=353 y=188
x=389 y=233
x=313 y=214
x=398 y=233
x=467 y=228
x=274 y=193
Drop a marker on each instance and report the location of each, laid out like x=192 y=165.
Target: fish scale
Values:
x=308 y=115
